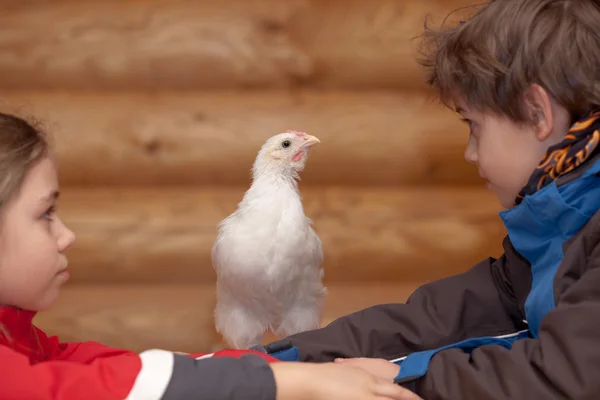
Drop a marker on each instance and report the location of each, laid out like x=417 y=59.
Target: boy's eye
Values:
x=469 y=123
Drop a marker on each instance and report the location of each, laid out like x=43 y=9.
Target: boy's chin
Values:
x=507 y=200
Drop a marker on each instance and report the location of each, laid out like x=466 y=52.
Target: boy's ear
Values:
x=539 y=107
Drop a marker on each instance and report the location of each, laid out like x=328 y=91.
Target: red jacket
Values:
x=35 y=366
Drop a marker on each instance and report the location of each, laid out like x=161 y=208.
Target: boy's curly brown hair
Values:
x=489 y=60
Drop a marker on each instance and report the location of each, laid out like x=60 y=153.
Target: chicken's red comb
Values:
x=300 y=134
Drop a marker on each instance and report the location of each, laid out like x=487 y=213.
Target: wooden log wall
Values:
x=226 y=44
x=157 y=109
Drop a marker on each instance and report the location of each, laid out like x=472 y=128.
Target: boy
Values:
x=525 y=76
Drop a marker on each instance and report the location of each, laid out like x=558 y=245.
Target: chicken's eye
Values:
x=286 y=143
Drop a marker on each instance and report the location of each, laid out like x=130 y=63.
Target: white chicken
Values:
x=267 y=257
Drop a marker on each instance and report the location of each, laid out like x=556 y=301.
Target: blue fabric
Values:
x=416 y=364
x=290 y=354
x=540 y=225
x=538 y=228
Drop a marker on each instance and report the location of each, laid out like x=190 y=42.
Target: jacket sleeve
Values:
x=478 y=302
x=562 y=363
x=92 y=371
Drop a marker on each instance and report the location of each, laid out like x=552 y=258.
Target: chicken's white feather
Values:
x=267 y=256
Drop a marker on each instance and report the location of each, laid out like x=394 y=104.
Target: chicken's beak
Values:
x=310 y=140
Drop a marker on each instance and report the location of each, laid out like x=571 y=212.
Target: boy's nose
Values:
x=470 y=153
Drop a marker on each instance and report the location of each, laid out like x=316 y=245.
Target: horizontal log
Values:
x=165 y=235
x=174 y=317
x=207 y=44
x=213 y=138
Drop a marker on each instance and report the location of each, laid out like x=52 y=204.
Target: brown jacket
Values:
x=558 y=356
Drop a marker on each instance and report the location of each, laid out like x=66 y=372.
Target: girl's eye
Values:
x=49 y=213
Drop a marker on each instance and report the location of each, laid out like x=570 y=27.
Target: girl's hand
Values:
x=331 y=381
x=376 y=366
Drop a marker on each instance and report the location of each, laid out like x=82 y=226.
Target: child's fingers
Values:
x=348 y=360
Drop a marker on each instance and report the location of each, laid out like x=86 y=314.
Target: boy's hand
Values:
x=331 y=381
x=376 y=366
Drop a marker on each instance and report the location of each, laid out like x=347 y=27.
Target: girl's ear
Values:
x=538 y=106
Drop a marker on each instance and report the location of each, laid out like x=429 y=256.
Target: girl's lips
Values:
x=63 y=272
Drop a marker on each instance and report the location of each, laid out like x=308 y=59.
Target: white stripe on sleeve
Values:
x=154 y=376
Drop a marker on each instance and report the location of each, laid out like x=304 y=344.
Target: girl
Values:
x=33 y=268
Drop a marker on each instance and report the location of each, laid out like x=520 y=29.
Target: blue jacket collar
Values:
x=539 y=226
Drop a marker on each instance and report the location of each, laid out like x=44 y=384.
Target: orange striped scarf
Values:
x=579 y=146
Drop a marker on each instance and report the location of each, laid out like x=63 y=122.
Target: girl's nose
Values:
x=66 y=237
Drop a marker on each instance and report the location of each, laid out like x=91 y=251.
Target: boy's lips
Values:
x=487 y=181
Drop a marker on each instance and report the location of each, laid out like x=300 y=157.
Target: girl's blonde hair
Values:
x=21 y=144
